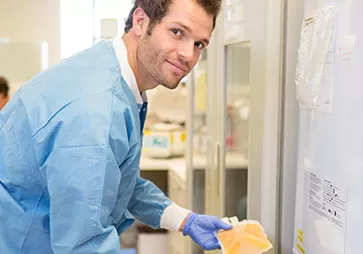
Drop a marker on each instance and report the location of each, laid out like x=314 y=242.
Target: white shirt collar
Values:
x=126 y=71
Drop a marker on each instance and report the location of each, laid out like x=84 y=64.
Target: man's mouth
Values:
x=178 y=66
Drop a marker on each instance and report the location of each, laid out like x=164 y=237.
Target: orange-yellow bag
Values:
x=246 y=237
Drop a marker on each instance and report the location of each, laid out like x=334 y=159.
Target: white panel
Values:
x=330 y=146
x=255 y=30
x=263 y=174
x=293 y=17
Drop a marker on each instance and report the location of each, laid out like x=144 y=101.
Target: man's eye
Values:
x=199 y=45
x=176 y=31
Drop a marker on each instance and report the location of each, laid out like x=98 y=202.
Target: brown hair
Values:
x=4 y=86
x=157 y=9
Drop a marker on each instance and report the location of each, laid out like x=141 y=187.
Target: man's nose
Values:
x=186 y=52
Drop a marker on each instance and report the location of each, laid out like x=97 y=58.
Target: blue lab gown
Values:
x=70 y=143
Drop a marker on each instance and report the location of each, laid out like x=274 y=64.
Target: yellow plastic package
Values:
x=246 y=237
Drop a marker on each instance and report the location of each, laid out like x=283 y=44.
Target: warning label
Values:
x=327 y=199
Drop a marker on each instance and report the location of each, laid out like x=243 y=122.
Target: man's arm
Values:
x=82 y=177
x=150 y=205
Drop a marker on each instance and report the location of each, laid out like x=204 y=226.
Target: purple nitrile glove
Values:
x=202 y=229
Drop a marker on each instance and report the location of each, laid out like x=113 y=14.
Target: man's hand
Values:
x=202 y=229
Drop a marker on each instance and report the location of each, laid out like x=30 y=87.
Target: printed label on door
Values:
x=327 y=199
x=326 y=210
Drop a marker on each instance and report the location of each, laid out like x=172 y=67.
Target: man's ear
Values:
x=140 y=22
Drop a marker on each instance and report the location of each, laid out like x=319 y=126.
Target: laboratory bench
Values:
x=178 y=165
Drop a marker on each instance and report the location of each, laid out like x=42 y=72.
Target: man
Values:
x=69 y=160
x=4 y=92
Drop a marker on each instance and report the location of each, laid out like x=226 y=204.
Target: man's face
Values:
x=3 y=100
x=175 y=44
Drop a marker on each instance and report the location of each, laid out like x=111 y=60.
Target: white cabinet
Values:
x=177 y=193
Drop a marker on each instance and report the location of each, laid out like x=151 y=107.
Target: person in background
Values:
x=4 y=92
x=69 y=161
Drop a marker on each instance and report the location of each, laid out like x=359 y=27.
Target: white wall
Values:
x=32 y=21
x=76 y=26
x=80 y=22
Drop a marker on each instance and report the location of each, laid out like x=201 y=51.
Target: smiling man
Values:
x=70 y=139
x=163 y=49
